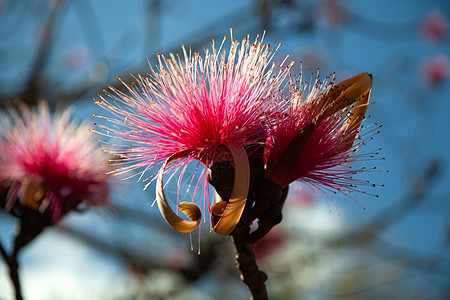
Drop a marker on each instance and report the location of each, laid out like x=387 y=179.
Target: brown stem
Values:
x=32 y=223
x=33 y=88
x=246 y=263
x=264 y=202
x=11 y=261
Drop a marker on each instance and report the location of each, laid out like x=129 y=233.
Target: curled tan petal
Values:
x=188 y=208
x=229 y=212
x=347 y=93
x=355 y=118
x=358 y=112
x=218 y=209
x=191 y=210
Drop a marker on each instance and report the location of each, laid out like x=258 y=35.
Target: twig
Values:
x=33 y=89
x=246 y=263
x=32 y=223
x=264 y=202
x=11 y=261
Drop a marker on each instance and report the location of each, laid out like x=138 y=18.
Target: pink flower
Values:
x=209 y=108
x=435 y=70
x=273 y=241
x=300 y=197
x=333 y=12
x=313 y=139
x=434 y=27
x=177 y=259
x=77 y=56
x=50 y=164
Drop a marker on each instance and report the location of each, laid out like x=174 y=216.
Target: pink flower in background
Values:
x=300 y=197
x=435 y=70
x=209 y=108
x=434 y=27
x=177 y=259
x=77 y=56
x=272 y=242
x=314 y=139
x=49 y=163
x=333 y=12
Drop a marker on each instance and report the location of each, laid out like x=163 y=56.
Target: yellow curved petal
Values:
x=360 y=88
x=218 y=209
x=347 y=93
x=353 y=122
x=227 y=213
x=230 y=212
x=188 y=208
x=358 y=112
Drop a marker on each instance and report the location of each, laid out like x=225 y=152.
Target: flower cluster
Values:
x=228 y=110
x=435 y=70
x=434 y=26
x=49 y=164
x=314 y=137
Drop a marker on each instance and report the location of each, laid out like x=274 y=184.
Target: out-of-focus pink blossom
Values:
x=299 y=196
x=271 y=242
x=76 y=57
x=333 y=12
x=435 y=26
x=49 y=163
x=435 y=70
x=177 y=259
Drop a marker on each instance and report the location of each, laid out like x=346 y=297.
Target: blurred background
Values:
x=394 y=246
